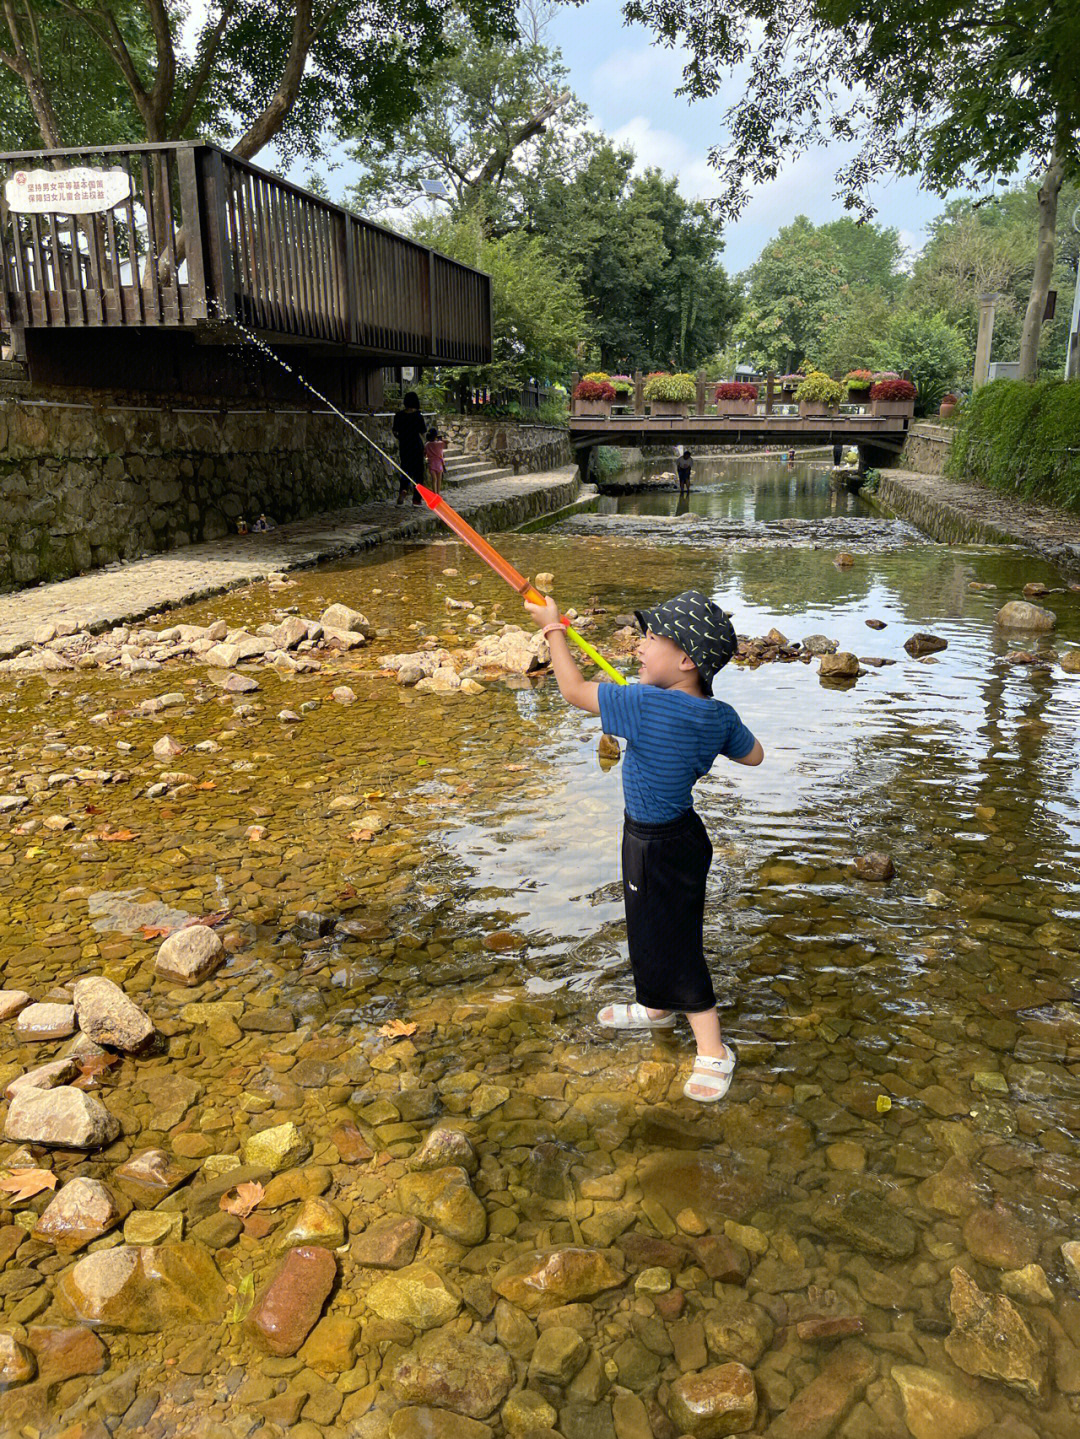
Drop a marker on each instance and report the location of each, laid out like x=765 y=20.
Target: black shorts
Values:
x=665 y=867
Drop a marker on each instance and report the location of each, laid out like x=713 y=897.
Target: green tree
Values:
x=938 y=88
x=795 y=291
x=537 y=312
x=256 y=71
x=871 y=255
x=928 y=348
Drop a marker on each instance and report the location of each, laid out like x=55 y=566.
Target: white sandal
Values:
x=712 y=1075
x=634 y=1016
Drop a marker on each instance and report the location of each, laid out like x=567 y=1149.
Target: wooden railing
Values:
x=206 y=236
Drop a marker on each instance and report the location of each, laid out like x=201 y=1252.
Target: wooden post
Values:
x=639 y=393
x=700 y=396
x=770 y=384
x=218 y=275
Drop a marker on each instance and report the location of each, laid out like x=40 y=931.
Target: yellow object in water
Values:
x=884 y=1104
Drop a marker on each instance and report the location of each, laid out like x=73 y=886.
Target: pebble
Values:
x=925 y=644
x=454 y=1371
x=841 y=665
x=716 y=1401
x=416 y=1295
x=875 y=865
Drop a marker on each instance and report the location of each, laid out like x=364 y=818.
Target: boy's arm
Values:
x=755 y=756
x=575 y=689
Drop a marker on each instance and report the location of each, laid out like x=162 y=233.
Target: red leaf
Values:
x=154 y=931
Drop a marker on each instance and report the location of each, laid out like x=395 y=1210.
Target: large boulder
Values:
x=63 y=1117
x=1020 y=615
x=190 y=955
x=145 y=1291
x=107 y=1015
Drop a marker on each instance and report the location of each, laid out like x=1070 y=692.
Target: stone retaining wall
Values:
x=916 y=499
x=926 y=448
x=524 y=448
x=85 y=485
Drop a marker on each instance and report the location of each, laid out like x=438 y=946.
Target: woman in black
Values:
x=410 y=430
x=683 y=465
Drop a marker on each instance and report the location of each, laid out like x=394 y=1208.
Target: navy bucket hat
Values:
x=699 y=627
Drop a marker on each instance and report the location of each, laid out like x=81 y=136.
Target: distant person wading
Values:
x=410 y=433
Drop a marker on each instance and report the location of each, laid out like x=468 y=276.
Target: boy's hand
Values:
x=545 y=614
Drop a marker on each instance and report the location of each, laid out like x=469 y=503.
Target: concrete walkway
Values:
x=962 y=512
x=137 y=588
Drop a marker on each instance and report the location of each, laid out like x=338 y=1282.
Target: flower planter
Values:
x=814 y=410
x=667 y=410
x=601 y=408
x=858 y=397
x=893 y=409
x=736 y=408
x=947 y=408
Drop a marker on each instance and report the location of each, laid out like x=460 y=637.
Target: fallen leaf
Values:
x=154 y=931
x=245 y=1298
x=397 y=1029
x=208 y=919
x=98 y=1063
x=349 y=892
x=25 y=1183
x=248 y=1196
x=93 y=809
x=207 y=784
x=120 y=836
x=359 y=836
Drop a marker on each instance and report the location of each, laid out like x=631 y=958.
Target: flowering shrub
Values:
x=736 y=390
x=599 y=377
x=858 y=380
x=885 y=375
x=622 y=384
x=819 y=389
x=678 y=389
x=593 y=390
x=790 y=381
x=950 y=399
x=894 y=389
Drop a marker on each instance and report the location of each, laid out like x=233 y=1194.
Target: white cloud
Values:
x=666 y=151
x=628 y=71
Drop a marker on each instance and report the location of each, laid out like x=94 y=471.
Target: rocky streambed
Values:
x=309 y=1128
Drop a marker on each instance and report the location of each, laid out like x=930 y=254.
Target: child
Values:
x=433 y=453
x=674 y=731
x=683 y=465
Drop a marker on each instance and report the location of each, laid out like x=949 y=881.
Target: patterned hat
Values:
x=698 y=627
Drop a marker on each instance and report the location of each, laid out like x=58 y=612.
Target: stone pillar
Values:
x=639 y=393
x=699 y=397
x=770 y=391
x=988 y=303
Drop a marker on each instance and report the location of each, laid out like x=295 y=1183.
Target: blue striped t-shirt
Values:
x=672 y=739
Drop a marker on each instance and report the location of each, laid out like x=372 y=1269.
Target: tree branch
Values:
x=161 y=96
x=197 y=83
x=525 y=131
x=265 y=126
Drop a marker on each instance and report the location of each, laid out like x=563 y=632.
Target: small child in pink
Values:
x=433 y=453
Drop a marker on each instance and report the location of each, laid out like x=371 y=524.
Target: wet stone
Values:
x=454 y=1371
x=422 y=1421
x=145 y=1291
x=46 y=1021
x=387 y=1243
x=81 y=1211
x=738 y=1330
x=63 y=1117
x=937 y=1406
x=109 y=1017
x=925 y=644
x=867 y=1223
x=190 y=955
x=444 y=1200
x=998 y=1239
x=990 y=1339
x=319 y=1222
x=714 y=1402
x=45 y=1076
x=547 y=1279
x=66 y=1353
x=148 y=1176
x=444 y=1147
x=875 y=865
x=558 y=1355
x=415 y=1295
x=279 y=1147
x=290 y=1305
x=11 y=1002
x=17 y=1363
x=1020 y=615
x=819 y=1408
x=526 y=1411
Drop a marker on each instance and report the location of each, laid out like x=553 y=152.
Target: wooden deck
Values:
x=205 y=237
x=885 y=432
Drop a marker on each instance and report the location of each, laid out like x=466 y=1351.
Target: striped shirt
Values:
x=672 y=739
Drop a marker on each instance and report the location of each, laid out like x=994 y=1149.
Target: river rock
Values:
x=1020 y=615
x=559 y=1354
x=1070 y=1252
x=13 y=1000
x=738 y=1330
x=875 y=865
x=454 y=1371
x=820 y=1408
x=420 y=1421
x=83 y=1210
x=1070 y=662
x=842 y=665
x=444 y=1147
x=66 y=1353
x=46 y=1021
x=109 y=1017
x=415 y=1295
x=714 y=1402
x=341 y=617
x=549 y=1278
x=289 y=1307
x=819 y=645
x=999 y=1240
x=45 y=1076
x=63 y=1117
x=17 y=1362
x=526 y=1411
x=145 y=1291
x=388 y=1243
x=936 y=1406
x=279 y=1147
x=443 y=1199
x=990 y=1339
x=190 y=955
x=319 y=1222
x=147 y=1177
x=867 y=1223
x=1029 y=1284
x=924 y=644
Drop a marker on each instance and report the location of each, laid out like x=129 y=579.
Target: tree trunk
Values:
x=1044 y=265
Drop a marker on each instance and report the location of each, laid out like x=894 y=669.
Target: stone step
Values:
x=459 y=480
x=13 y=370
x=14 y=387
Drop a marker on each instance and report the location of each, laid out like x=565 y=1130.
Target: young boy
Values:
x=674 y=731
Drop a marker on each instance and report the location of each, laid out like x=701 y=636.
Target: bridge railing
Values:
x=773 y=398
x=203 y=235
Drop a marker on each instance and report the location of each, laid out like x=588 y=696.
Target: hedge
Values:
x=1022 y=436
